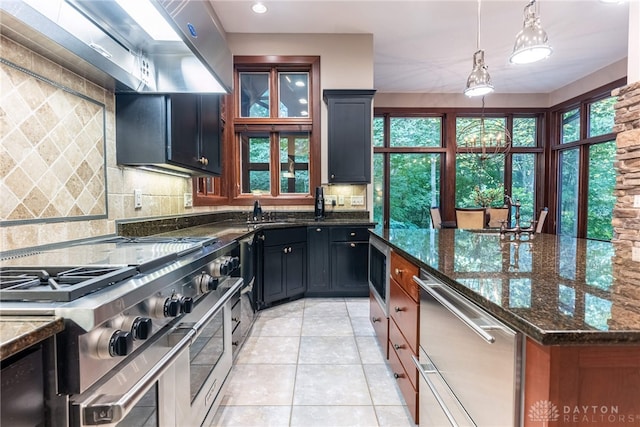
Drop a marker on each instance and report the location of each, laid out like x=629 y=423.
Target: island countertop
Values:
x=557 y=290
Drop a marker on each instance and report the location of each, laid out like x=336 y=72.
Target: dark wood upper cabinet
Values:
x=350 y=128
x=179 y=132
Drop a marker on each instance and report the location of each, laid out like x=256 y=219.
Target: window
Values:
x=585 y=154
x=271 y=134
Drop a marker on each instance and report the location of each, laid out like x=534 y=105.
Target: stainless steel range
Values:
x=148 y=324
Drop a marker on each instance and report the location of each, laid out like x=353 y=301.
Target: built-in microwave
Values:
x=379 y=269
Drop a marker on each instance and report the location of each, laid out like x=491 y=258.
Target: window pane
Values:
x=294 y=163
x=487 y=175
x=378 y=188
x=414 y=187
x=524 y=132
x=415 y=131
x=476 y=132
x=568 y=192
x=601 y=115
x=523 y=179
x=254 y=94
x=256 y=176
x=294 y=95
x=601 y=198
x=570 y=126
x=378 y=131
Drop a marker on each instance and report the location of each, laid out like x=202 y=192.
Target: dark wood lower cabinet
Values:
x=284 y=264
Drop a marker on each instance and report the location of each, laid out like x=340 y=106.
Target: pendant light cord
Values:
x=478 y=36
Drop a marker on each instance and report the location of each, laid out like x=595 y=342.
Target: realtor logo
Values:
x=544 y=410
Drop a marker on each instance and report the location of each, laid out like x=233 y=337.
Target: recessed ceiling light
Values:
x=259 y=7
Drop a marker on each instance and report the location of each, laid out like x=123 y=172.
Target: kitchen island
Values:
x=581 y=334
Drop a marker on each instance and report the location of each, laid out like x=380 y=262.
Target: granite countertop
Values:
x=557 y=290
x=20 y=333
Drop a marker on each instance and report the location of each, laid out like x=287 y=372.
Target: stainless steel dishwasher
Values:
x=469 y=362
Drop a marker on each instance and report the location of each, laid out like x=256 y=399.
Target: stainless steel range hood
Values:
x=104 y=36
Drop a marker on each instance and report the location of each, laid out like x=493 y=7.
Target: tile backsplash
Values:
x=52 y=149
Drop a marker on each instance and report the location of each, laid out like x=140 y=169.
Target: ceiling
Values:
x=426 y=46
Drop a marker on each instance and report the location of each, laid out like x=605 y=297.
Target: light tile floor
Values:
x=313 y=362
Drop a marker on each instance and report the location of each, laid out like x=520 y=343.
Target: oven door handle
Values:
x=104 y=411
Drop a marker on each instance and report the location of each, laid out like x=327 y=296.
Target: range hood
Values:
x=104 y=36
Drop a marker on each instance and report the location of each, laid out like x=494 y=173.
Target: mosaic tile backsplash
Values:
x=52 y=150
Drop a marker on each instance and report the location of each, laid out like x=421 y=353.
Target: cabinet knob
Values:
x=353 y=245
x=396 y=376
x=261 y=237
x=398 y=272
x=397 y=346
x=333 y=176
x=397 y=309
x=318 y=229
x=375 y=319
x=203 y=160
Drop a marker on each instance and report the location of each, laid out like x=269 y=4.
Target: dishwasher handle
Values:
x=454 y=310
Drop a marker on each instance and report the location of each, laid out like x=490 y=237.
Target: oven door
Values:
x=173 y=381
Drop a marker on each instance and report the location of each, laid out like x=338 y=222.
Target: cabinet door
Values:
x=350 y=128
x=183 y=146
x=349 y=267
x=210 y=138
x=318 y=265
x=273 y=283
x=296 y=271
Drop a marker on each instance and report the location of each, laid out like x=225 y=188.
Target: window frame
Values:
x=228 y=185
x=583 y=145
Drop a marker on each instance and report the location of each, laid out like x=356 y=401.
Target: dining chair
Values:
x=436 y=218
x=541 y=219
x=497 y=216
x=470 y=218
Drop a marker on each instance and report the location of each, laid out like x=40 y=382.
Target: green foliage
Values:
x=487 y=197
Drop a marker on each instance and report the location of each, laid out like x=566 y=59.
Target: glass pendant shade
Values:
x=531 y=43
x=479 y=81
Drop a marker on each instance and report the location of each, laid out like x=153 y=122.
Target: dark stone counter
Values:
x=20 y=333
x=557 y=290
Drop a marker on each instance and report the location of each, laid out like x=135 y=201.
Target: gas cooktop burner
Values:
x=60 y=284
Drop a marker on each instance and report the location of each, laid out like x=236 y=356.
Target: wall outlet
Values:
x=636 y=201
x=188 y=200
x=635 y=254
x=357 y=200
x=330 y=200
x=137 y=198
x=340 y=200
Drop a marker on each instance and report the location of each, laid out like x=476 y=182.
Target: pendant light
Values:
x=479 y=81
x=531 y=43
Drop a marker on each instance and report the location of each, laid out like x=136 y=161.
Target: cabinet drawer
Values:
x=409 y=393
x=380 y=324
x=402 y=271
x=405 y=312
x=348 y=234
x=285 y=236
x=399 y=344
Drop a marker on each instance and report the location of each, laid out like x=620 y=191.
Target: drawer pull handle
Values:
x=375 y=319
x=397 y=376
x=318 y=229
x=398 y=272
x=397 y=346
x=397 y=309
x=352 y=234
x=353 y=245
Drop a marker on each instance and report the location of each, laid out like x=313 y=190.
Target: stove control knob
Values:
x=171 y=307
x=141 y=328
x=186 y=303
x=120 y=344
x=235 y=262
x=205 y=283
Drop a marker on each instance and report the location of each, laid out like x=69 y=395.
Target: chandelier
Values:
x=486 y=137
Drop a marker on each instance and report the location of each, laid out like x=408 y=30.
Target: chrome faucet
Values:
x=517 y=230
